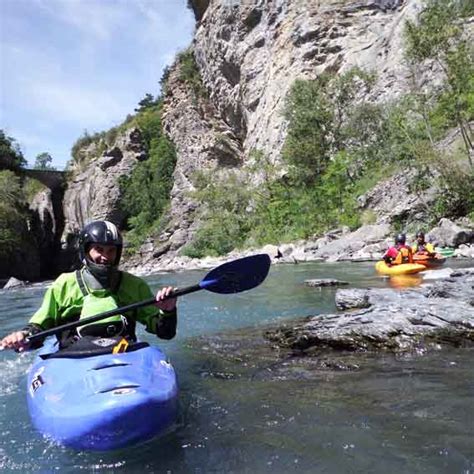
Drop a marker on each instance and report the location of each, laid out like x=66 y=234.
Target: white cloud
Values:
x=70 y=65
x=76 y=103
x=91 y=18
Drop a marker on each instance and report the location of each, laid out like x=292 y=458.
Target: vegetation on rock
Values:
x=146 y=192
x=189 y=72
x=11 y=156
x=13 y=214
x=338 y=146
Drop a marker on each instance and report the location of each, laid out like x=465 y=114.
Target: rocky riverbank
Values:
x=371 y=321
x=368 y=243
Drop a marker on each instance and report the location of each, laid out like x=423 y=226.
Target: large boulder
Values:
x=15 y=283
x=411 y=321
x=449 y=234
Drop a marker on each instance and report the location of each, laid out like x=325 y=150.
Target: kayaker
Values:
x=98 y=286
x=421 y=247
x=399 y=253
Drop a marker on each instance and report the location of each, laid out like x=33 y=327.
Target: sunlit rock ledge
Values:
x=380 y=324
x=413 y=320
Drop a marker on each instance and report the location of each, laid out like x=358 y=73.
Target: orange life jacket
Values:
x=405 y=255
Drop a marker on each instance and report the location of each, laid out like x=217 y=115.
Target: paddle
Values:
x=231 y=277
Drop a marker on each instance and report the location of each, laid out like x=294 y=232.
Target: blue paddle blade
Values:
x=239 y=275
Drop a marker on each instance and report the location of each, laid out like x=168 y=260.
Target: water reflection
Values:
x=405 y=281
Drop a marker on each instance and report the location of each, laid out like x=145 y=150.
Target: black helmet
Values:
x=420 y=234
x=99 y=232
x=400 y=239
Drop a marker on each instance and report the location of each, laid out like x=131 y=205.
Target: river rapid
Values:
x=412 y=414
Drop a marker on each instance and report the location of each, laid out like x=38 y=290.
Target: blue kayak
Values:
x=101 y=401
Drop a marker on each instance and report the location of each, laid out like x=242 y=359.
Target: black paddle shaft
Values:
x=107 y=314
x=231 y=277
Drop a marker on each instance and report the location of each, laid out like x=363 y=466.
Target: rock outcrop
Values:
x=249 y=55
x=46 y=226
x=93 y=190
x=374 y=323
x=406 y=321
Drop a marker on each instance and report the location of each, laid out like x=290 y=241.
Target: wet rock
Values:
x=449 y=234
x=351 y=299
x=407 y=321
x=318 y=283
x=385 y=323
x=14 y=283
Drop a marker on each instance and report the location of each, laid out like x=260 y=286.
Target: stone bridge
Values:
x=51 y=178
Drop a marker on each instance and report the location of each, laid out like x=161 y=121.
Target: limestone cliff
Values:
x=93 y=190
x=249 y=53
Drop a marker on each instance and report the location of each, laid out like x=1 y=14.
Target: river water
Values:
x=396 y=415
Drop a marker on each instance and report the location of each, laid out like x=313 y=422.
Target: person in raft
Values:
x=98 y=286
x=421 y=247
x=399 y=253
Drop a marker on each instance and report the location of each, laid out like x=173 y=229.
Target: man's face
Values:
x=420 y=239
x=103 y=254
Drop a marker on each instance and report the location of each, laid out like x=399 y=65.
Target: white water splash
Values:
x=12 y=373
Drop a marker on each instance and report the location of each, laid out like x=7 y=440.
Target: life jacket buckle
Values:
x=111 y=330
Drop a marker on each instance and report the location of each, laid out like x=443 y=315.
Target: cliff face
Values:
x=46 y=225
x=249 y=54
x=93 y=190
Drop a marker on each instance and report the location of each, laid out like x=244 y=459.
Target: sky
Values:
x=69 y=66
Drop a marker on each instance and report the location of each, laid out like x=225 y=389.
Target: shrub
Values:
x=146 y=192
x=189 y=72
x=12 y=212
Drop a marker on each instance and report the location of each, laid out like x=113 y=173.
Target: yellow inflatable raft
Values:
x=402 y=269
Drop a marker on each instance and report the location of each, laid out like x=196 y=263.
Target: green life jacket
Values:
x=96 y=302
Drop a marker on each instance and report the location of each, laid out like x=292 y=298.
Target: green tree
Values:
x=310 y=117
x=11 y=156
x=43 y=161
x=322 y=120
x=147 y=102
x=12 y=212
x=146 y=192
x=439 y=35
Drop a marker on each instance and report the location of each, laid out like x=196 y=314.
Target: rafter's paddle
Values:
x=231 y=277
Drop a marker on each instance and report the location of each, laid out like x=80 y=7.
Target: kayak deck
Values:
x=103 y=402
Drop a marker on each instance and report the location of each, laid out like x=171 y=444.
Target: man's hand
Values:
x=162 y=300
x=16 y=340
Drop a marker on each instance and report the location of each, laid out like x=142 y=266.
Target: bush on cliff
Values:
x=146 y=192
x=11 y=156
x=13 y=213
